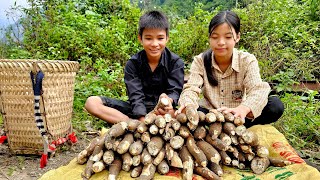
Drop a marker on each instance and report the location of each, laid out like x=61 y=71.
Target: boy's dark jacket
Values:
x=144 y=86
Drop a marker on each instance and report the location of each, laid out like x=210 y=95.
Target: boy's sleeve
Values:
x=176 y=81
x=257 y=90
x=134 y=90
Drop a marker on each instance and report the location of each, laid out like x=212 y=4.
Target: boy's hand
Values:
x=166 y=109
x=181 y=109
x=159 y=111
x=164 y=95
x=163 y=112
x=240 y=111
x=141 y=118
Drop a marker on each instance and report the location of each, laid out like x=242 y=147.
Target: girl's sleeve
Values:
x=257 y=91
x=192 y=89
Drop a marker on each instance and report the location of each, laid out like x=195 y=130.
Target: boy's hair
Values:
x=154 y=20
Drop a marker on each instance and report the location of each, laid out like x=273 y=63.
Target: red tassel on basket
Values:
x=59 y=141
x=3 y=139
x=43 y=160
x=52 y=148
x=72 y=137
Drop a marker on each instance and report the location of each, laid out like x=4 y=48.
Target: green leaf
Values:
x=88 y=12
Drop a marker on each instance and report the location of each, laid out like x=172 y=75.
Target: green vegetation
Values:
x=301 y=120
x=102 y=34
x=186 y=8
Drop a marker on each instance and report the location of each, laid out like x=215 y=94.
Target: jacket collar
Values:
x=235 y=64
x=144 y=57
x=235 y=60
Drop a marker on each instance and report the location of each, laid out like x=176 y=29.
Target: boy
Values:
x=151 y=73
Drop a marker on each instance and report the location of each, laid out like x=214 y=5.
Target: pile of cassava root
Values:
x=193 y=141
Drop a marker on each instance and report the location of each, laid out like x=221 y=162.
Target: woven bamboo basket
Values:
x=17 y=102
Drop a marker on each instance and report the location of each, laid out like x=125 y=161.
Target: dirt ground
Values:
x=27 y=167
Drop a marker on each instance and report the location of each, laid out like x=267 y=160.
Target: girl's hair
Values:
x=228 y=17
x=153 y=19
x=233 y=21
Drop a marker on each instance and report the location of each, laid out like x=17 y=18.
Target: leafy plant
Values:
x=301 y=120
x=105 y=79
x=276 y=33
x=285 y=80
x=315 y=9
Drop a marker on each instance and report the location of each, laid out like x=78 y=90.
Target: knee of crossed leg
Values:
x=277 y=107
x=91 y=104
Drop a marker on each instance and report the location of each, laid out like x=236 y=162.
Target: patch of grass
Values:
x=11 y=170
x=21 y=160
x=105 y=79
x=300 y=122
x=83 y=121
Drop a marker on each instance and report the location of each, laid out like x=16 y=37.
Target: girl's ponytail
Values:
x=207 y=60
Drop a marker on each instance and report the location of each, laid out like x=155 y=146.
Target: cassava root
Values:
x=194 y=142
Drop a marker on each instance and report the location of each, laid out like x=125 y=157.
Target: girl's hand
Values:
x=240 y=111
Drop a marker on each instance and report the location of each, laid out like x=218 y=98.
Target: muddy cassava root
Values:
x=211 y=139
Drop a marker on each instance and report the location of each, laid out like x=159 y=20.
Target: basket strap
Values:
x=3 y=137
x=36 y=78
x=37 y=89
x=0 y=103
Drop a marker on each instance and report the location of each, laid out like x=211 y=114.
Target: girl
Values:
x=228 y=78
